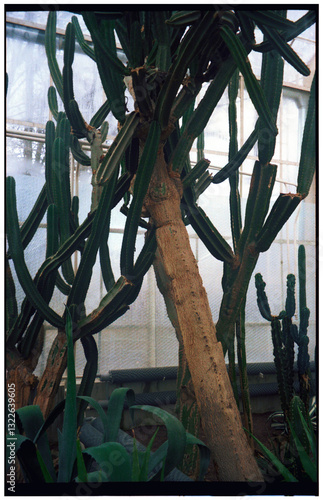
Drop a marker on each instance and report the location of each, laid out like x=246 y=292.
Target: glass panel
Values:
x=28 y=75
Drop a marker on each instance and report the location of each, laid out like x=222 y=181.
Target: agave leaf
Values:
x=288 y=476
x=26 y=453
x=81 y=469
x=309 y=467
x=89 y=373
x=67 y=441
x=115 y=409
x=29 y=420
x=176 y=437
x=113 y=460
x=204 y=454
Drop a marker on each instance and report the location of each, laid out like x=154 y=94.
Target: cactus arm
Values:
x=235 y=206
x=237 y=160
x=31 y=224
x=201 y=115
x=17 y=252
x=105 y=262
x=50 y=47
x=302 y=24
x=290 y=304
x=78 y=153
x=163 y=56
x=80 y=38
x=184 y=98
x=52 y=101
x=11 y=302
x=113 y=157
x=145 y=170
x=193 y=40
x=136 y=44
x=146 y=256
x=255 y=92
x=62 y=195
x=210 y=236
x=33 y=329
x=285 y=50
x=271 y=19
x=261 y=186
x=198 y=169
x=307 y=164
x=49 y=141
x=110 y=74
x=272 y=70
x=111 y=304
x=105 y=41
x=262 y=299
x=302 y=277
x=183 y=18
x=84 y=272
x=99 y=117
x=282 y=209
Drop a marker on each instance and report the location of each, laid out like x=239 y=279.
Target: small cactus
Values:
x=285 y=334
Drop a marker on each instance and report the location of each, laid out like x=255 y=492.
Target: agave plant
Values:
x=170 y=55
x=34 y=455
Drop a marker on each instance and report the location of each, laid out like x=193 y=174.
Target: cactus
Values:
x=285 y=334
x=170 y=55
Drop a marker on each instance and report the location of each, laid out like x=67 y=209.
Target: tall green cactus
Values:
x=170 y=55
x=285 y=334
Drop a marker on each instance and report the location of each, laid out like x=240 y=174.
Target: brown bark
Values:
x=20 y=372
x=52 y=375
x=219 y=413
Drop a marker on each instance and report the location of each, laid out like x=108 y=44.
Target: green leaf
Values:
x=115 y=409
x=81 y=469
x=26 y=453
x=309 y=467
x=67 y=440
x=47 y=476
x=89 y=373
x=29 y=420
x=176 y=437
x=113 y=460
x=204 y=454
x=288 y=476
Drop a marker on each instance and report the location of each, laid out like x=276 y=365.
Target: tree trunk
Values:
x=52 y=375
x=219 y=413
x=19 y=371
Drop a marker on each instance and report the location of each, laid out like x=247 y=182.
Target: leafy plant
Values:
x=34 y=453
x=300 y=455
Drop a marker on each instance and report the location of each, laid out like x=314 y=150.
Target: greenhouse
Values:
x=161 y=250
